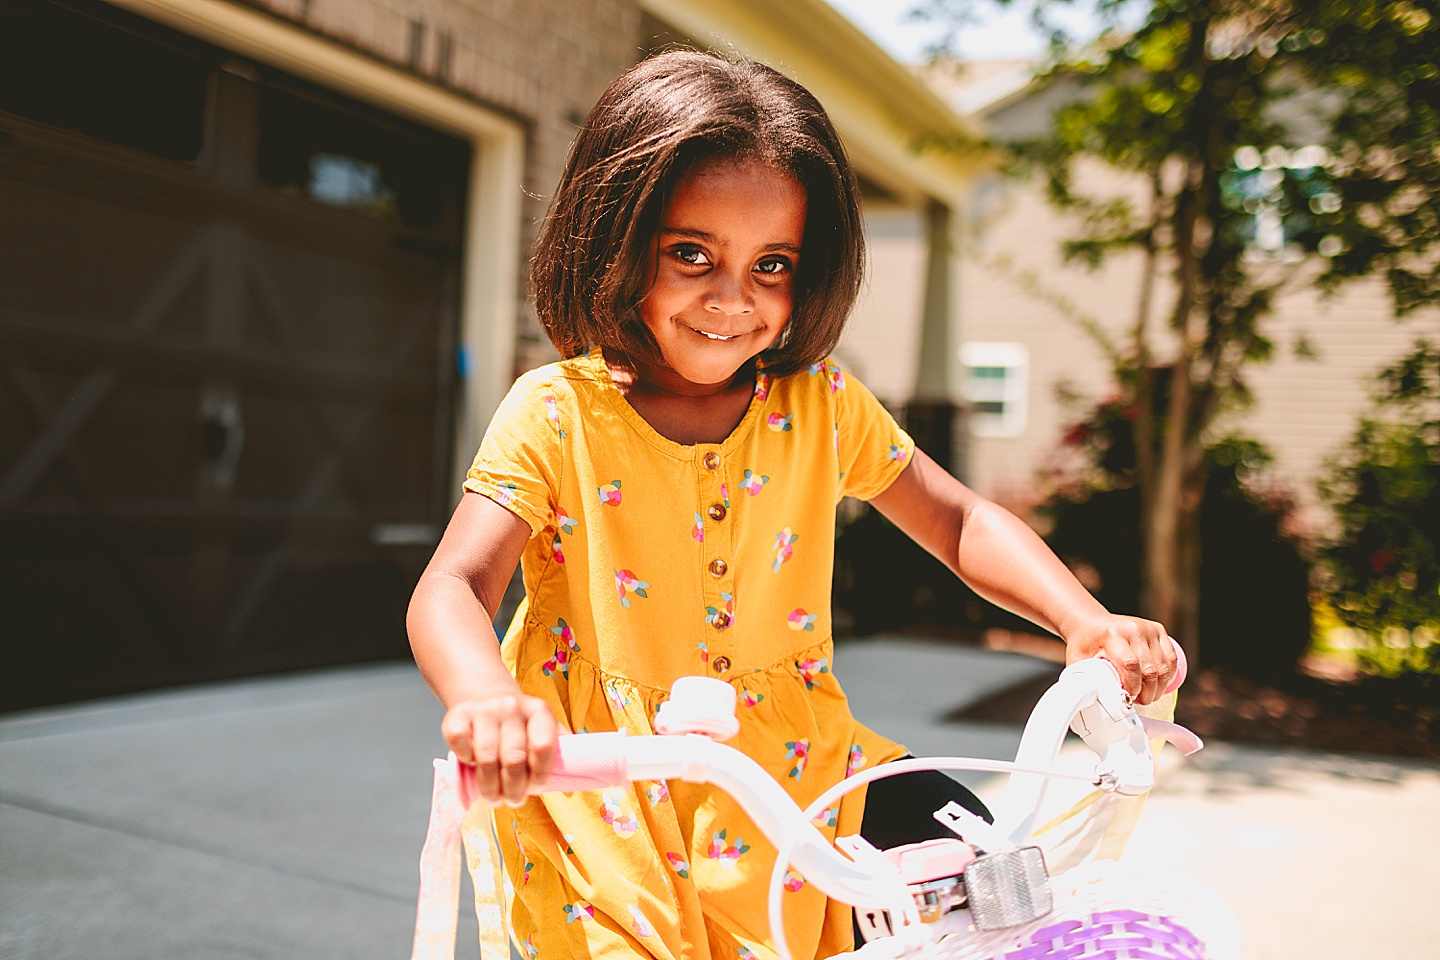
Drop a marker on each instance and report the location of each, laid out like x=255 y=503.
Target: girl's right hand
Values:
x=510 y=741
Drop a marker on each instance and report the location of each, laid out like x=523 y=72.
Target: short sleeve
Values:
x=872 y=448
x=519 y=461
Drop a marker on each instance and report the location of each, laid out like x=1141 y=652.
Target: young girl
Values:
x=669 y=490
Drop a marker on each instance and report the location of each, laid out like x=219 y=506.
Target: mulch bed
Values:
x=1399 y=717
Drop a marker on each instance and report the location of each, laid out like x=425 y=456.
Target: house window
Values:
x=996 y=382
x=1284 y=200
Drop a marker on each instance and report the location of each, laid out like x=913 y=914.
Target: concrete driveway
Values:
x=282 y=818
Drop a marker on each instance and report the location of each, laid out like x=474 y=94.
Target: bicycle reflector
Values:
x=1008 y=888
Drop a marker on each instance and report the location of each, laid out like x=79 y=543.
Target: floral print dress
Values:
x=651 y=560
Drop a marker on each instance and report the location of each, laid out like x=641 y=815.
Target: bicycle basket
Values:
x=1102 y=912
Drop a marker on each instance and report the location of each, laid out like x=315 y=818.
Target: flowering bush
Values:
x=1254 y=608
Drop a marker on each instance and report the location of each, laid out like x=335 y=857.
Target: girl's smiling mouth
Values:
x=713 y=336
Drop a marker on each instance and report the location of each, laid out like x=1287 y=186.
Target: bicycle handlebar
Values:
x=1086 y=694
x=582 y=761
x=1087 y=697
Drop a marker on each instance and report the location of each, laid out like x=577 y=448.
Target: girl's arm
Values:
x=508 y=736
x=1008 y=564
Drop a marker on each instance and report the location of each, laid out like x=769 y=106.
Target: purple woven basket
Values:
x=1111 y=935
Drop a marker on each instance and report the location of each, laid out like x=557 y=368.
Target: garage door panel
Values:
x=227 y=373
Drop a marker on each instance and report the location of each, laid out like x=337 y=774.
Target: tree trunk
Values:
x=1170 y=497
x=1184 y=624
x=1170 y=522
x=1144 y=364
x=1163 y=530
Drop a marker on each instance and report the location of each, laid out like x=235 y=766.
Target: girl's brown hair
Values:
x=650 y=127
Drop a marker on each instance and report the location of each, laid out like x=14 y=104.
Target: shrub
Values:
x=1383 y=569
x=1254 y=613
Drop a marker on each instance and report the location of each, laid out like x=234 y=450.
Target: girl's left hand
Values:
x=1140 y=649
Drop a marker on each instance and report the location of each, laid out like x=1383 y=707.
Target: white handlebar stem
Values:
x=1092 y=689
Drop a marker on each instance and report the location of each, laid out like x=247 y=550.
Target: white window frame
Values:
x=1011 y=390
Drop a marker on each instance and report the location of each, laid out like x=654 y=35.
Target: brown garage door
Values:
x=227 y=361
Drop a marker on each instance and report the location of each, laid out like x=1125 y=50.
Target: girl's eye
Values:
x=773 y=267
x=693 y=256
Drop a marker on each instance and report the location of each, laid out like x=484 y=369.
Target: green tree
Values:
x=1278 y=144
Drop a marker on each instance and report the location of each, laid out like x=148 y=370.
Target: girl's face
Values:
x=724 y=261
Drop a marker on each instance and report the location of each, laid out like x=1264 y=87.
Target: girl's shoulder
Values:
x=822 y=380
x=582 y=367
x=560 y=376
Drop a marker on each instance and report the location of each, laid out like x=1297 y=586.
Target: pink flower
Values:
x=623 y=823
x=639 y=924
x=726 y=853
x=560 y=663
x=857 y=759
x=553 y=415
x=563 y=631
x=784 y=547
x=566 y=523
x=625 y=580
x=799 y=751
x=810 y=670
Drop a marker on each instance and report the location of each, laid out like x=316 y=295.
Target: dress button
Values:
x=717 y=511
x=721 y=664
x=712 y=460
x=721 y=621
x=718 y=567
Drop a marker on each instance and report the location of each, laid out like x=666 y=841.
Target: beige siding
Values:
x=883 y=336
x=1015 y=288
x=1304 y=408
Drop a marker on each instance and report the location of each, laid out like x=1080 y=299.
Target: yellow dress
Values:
x=650 y=560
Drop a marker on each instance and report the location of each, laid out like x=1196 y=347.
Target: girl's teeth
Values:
x=716 y=336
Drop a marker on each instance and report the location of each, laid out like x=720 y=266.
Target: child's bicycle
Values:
x=986 y=894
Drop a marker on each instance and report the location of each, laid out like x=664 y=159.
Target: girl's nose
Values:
x=727 y=295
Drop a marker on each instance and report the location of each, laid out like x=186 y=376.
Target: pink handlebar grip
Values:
x=586 y=761
x=1181 y=667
